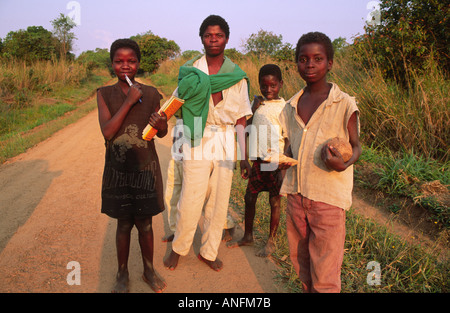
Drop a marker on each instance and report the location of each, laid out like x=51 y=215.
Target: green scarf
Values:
x=196 y=87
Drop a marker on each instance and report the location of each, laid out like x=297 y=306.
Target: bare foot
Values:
x=268 y=249
x=216 y=265
x=122 y=283
x=171 y=261
x=156 y=283
x=245 y=241
x=228 y=234
x=168 y=238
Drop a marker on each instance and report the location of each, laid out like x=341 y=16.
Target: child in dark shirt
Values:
x=132 y=183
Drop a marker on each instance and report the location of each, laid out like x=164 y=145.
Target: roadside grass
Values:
x=423 y=180
x=26 y=124
x=403 y=267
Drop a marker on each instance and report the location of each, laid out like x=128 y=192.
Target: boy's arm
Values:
x=240 y=131
x=287 y=152
x=331 y=156
x=287 y=148
x=257 y=101
x=354 y=138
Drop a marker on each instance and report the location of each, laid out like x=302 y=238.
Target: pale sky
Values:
x=100 y=22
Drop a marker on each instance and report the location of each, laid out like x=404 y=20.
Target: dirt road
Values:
x=50 y=216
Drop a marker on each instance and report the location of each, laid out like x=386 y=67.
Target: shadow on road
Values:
x=22 y=186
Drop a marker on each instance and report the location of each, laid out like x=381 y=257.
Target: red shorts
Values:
x=264 y=180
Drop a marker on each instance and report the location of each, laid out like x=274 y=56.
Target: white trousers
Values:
x=173 y=191
x=206 y=187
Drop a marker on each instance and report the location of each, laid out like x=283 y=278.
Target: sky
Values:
x=100 y=22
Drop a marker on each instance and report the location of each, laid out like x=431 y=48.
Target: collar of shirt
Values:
x=334 y=96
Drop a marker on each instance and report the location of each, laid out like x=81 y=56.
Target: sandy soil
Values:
x=50 y=216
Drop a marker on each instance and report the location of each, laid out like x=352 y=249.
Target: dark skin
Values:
x=145 y=233
x=270 y=87
x=125 y=62
x=214 y=41
x=313 y=66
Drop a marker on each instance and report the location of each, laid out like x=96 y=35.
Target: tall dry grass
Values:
x=20 y=82
x=292 y=82
x=38 y=93
x=402 y=120
x=413 y=119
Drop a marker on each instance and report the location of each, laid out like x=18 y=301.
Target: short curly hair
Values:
x=213 y=20
x=125 y=43
x=315 y=37
x=270 y=69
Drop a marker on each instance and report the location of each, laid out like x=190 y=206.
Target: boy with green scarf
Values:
x=215 y=91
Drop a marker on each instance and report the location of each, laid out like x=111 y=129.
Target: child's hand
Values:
x=159 y=122
x=245 y=169
x=284 y=166
x=257 y=101
x=333 y=158
x=134 y=93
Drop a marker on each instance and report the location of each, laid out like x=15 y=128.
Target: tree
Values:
x=409 y=33
x=190 y=54
x=233 y=54
x=34 y=43
x=339 y=44
x=285 y=53
x=267 y=43
x=263 y=42
x=62 y=27
x=96 y=59
x=154 y=50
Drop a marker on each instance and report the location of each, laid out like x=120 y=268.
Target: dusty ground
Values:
x=50 y=216
x=50 y=208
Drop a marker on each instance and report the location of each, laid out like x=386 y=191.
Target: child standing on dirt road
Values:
x=132 y=189
x=319 y=188
x=266 y=123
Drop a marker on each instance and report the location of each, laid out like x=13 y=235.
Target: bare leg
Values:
x=247 y=239
x=228 y=234
x=145 y=229
x=171 y=261
x=269 y=248
x=123 y=232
